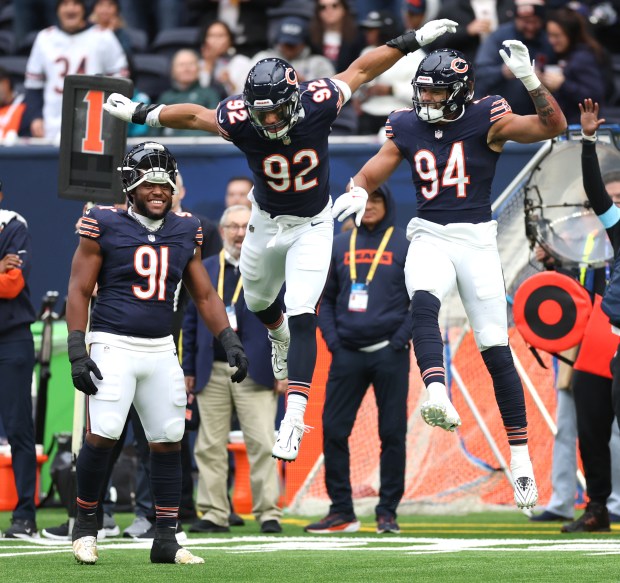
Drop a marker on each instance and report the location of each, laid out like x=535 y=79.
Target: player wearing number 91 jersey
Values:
x=138 y=257
x=452 y=144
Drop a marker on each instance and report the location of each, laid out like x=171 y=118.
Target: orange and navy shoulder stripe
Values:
x=499 y=109
x=199 y=236
x=89 y=227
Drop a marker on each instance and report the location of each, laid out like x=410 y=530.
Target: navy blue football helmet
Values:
x=443 y=69
x=272 y=88
x=148 y=162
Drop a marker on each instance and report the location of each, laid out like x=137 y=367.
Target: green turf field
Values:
x=484 y=547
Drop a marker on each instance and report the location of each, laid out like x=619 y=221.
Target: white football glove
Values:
x=520 y=64
x=434 y=29
x=120 y=106
x=351 y=202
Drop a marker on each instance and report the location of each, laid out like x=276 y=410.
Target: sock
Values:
x=91 y=467
x=508 y=391
x=279 y=331
x=166 y=479
x=295 y=405
x=272 y=316
x=426 y=335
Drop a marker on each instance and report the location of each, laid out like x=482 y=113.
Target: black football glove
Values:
x=235 y=353
x=81 y=364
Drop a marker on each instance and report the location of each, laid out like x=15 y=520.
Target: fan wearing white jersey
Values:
x=73 y=47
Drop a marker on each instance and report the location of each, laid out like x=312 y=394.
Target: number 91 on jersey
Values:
x=92 y=143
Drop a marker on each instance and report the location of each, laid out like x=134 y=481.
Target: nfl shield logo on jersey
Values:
x=438 y=134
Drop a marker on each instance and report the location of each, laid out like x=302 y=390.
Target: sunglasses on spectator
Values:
x=334 y=5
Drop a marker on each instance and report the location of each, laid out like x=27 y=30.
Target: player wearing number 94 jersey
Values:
x=282 y=127
x=137 y=258
x=452 y=144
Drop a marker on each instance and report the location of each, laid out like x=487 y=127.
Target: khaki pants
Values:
x=256 y=409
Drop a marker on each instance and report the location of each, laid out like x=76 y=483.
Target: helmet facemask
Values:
x=449 y=70
x=286 y=112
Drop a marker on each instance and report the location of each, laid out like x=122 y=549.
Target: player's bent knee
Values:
x=174 y=430
x=110 y=425
x=491 y=336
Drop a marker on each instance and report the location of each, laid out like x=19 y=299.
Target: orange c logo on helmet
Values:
x=291 y=76
x=459 y=65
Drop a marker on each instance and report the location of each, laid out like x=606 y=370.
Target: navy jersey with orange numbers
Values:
x=140 y=271
x=451 y=164
x=291 y=175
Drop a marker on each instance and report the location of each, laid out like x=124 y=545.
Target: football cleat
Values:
x=525 y=490
x=387 y=524
x=279 y=357
x=84 y=537
x=166 y=549
x=85 y=550
x=289 y=437
x=440 y=412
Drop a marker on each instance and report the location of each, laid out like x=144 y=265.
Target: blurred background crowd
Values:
x=201 y=50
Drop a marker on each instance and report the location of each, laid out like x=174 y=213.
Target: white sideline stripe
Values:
x=408 y=545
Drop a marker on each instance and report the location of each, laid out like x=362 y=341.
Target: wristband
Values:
x=406 y=43
x=147 y=114
x=531 y=82
x=591 y=138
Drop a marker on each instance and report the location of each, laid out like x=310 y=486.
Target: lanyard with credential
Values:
x=220 y=282
x=375 y=261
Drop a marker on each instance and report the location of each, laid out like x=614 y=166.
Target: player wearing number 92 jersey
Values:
x=291 y=177
x=141 y=270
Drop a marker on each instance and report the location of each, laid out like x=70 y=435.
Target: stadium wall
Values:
x=30 y=177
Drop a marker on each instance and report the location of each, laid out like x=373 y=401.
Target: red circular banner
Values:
x=551 y=311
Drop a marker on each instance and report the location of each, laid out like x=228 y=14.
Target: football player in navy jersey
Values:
x=452 y=144
x=282 y=127
x=137 y=258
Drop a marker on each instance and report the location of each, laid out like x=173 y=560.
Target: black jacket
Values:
x=387 y=316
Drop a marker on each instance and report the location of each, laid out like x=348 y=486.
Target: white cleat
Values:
x=440 y=414
x=439 y=411
x=526 y=492
x=279 y=357
x=289 y=437
x=85 y=550
x=184 y=557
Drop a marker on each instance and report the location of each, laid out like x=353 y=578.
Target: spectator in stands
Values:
x=237 y=191
x=365 y=320
x=493 y=76
x=186 y=88
x=12 y=108
x=477 y=19
x=334 y=33
x=220 y=66
x=107 y=14
x=248 y=20
x=207 y=375
x=152 y=16
x=583 y=68
x=67 y=49
x=414 y=12
x=32 y=16
x=292 y=46
x=16 y=366
x=392 y=89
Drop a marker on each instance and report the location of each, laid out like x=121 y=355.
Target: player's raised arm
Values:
x=375 y=62
x=183 y=116
x=549 y=120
